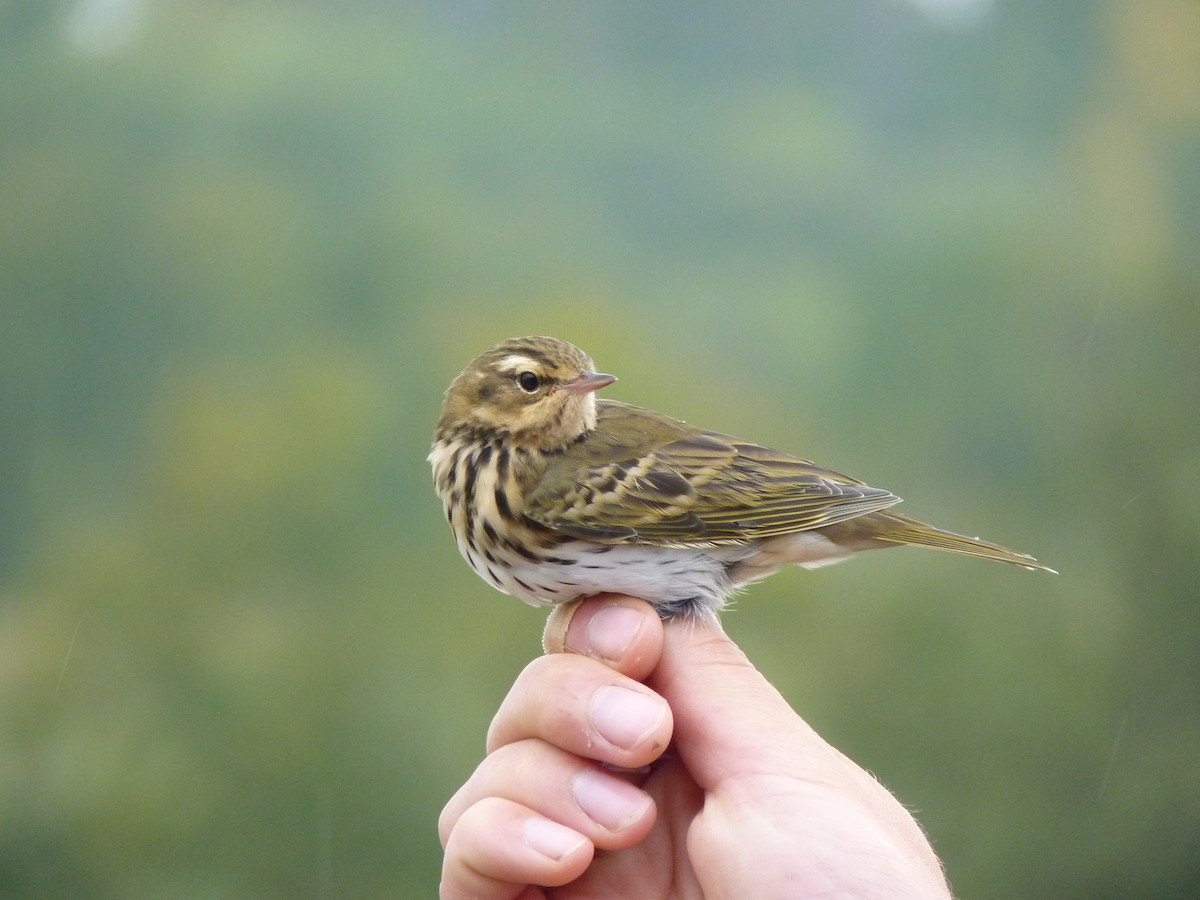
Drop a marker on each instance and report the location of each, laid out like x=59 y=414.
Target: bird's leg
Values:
x=554 y=636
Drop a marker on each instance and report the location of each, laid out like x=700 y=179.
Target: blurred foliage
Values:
x=948 y=247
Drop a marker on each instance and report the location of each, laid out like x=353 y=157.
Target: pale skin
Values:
x=741 y=797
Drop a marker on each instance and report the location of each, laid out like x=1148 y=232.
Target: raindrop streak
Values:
x=324 y=855
x=1101 y=302
x=1112 y=756
x=551 y=136
x=66 y=659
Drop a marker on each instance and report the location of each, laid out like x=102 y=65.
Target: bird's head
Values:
x=536 y=392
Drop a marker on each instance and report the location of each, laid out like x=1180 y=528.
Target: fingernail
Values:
x=608 y=801
x=625 y=718
x=549 y=838
x=612 y=629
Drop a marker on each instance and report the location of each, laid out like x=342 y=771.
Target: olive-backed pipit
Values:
x=554 y=495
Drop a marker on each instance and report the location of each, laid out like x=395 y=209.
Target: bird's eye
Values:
x=529 y=382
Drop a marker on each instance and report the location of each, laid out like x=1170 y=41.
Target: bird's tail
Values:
x=905 y=530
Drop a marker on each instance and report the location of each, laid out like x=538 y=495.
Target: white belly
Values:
x=672 y=579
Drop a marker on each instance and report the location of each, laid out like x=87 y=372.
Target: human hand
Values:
x=746 y=801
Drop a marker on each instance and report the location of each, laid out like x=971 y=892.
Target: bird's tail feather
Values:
x=919 y=534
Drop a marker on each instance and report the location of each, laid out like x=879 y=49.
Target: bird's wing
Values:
x=643 y=477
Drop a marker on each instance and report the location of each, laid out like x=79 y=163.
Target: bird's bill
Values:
x=587 y=382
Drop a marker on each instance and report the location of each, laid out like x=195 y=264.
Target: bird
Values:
x=554 y=495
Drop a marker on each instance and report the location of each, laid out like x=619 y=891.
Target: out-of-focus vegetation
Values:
x=952 y=248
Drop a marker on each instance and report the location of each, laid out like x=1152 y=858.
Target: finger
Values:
x=582 y=706
x=499 y=847
x=622 y=632
x=726 y=712
x=603 y=807
x=748 y=750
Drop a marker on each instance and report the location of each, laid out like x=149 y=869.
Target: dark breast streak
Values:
x=485 y=511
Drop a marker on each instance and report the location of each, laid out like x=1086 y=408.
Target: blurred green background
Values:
x=951 y=247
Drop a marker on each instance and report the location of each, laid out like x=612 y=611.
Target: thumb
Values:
x=732 y=727
x=729 y=720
